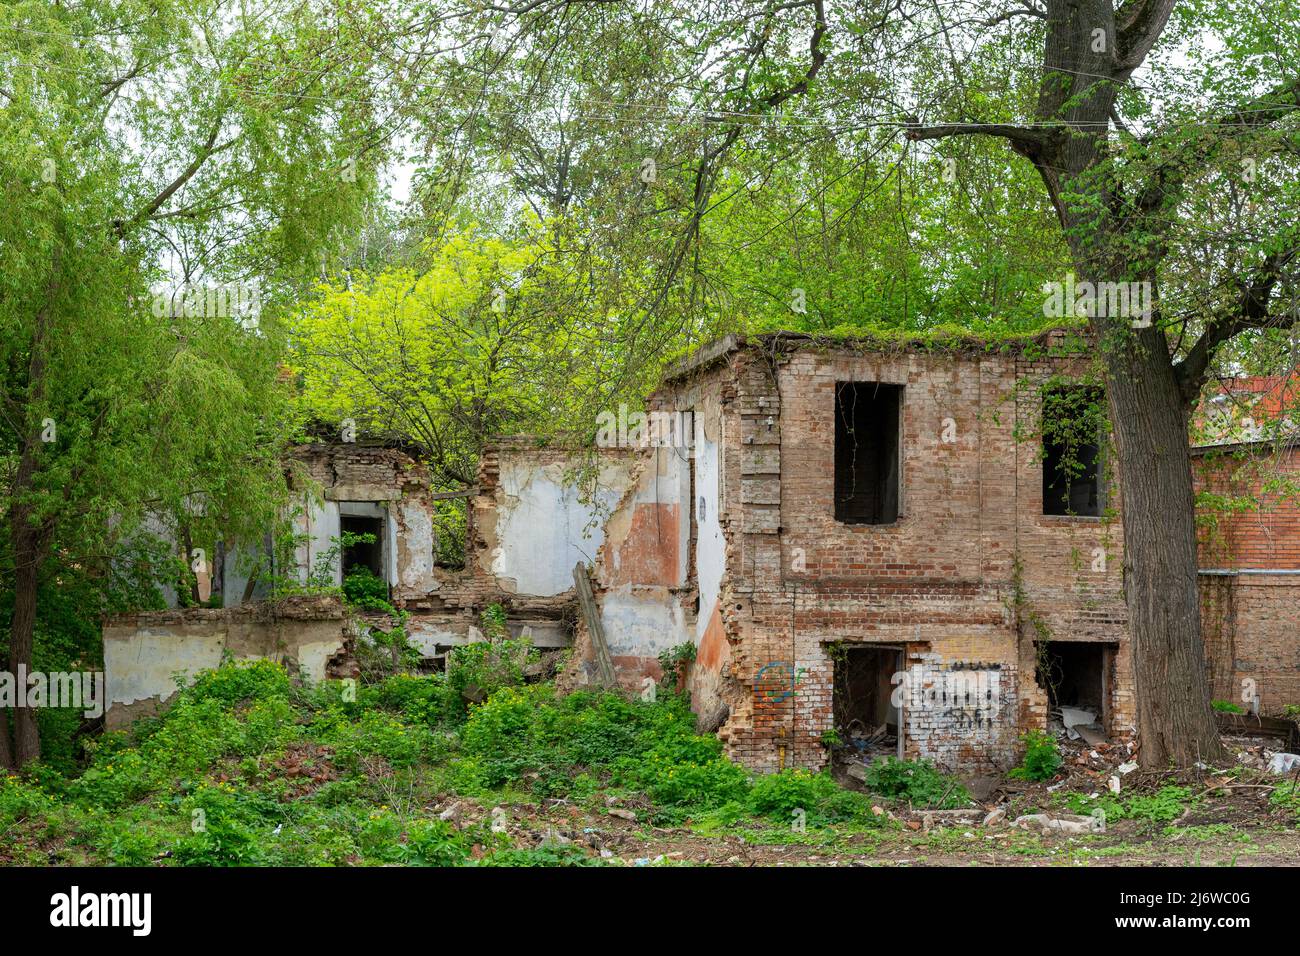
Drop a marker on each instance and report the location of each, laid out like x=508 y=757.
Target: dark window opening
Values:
x=1072 y=452
x=1074 y=674
x=866 y=719
x=867 y=452
x=363 y=554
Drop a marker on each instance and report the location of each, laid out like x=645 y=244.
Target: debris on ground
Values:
x=1284 y=763
x=1065 y=822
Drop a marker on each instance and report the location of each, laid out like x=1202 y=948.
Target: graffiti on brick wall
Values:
x=777 y=682
x=969 y=694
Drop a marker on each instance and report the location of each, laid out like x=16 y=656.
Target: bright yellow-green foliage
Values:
x=484 y=336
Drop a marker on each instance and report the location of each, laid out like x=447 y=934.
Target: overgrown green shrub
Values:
x=1042 y=757
x=651 y=747
x=779 y=795
x=485 y=666
x=1163 y=806
x=917 y=782
x=560 y=855
x=364 y=589
x=1287 y=797
x=237 y=681
x=224 y=824
x=419 y=699
x=1227 y=707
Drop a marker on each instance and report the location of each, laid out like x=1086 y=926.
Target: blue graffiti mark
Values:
x=782 y=687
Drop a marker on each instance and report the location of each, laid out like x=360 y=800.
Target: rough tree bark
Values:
x=1116 y=234
x=30 y=539
x=6 y=749
x=28 y=546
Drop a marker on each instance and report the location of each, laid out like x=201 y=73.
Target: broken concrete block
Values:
x=1284 y=763
x=621 y=814
x=930 y=817
x=555 y=838
x=1065 y=823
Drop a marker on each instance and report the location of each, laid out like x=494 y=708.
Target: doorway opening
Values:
x=866 y=718
x=1076 y=676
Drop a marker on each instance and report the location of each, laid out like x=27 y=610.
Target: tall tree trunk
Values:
x=1176 y=724
x=30 y=541
x=27 y=556
x=6 y=750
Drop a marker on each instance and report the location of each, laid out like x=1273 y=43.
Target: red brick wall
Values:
x=1249 y=620
x=939 y=581
x=1265 y=535
x=1250 y=628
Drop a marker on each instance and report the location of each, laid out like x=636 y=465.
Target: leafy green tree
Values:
x=481 y=336
x=1163 y=133
x=146 y=145
x=1146 y=178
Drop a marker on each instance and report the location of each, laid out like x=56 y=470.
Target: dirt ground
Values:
x=1208 y=817
x=1127 y=843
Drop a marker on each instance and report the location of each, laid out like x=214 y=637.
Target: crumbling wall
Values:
x=952 y=582
x=541 y=515
x=643 y=569
x=537 y=511
x=146 y=653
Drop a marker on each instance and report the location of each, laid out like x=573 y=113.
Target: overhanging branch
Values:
x=1029 y=141
x=1250 y=311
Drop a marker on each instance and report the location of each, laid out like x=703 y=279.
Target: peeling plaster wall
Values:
x=319 y=521
x=642 y=575
x=372 y=481
x=710 y=549
x=543 y=527
x=144 y=654
x=413 y=543
x=529 y=526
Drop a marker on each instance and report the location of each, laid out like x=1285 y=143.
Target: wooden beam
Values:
x=591 y=612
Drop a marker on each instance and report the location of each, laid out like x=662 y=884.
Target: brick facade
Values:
x=1250 y=578
x=964 y=583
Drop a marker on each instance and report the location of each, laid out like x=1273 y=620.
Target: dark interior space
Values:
x=1071 y=456
x=1073 y=673
x=867 y=452
x=864 y=714
x=361 y=554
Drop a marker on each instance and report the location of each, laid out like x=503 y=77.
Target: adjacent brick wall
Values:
x=1249 y=616
x=1253 y=521
x=1250 y=628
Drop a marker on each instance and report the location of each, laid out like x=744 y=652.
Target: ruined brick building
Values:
x=848 y=535
x=529 y=521
x=847 y=514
